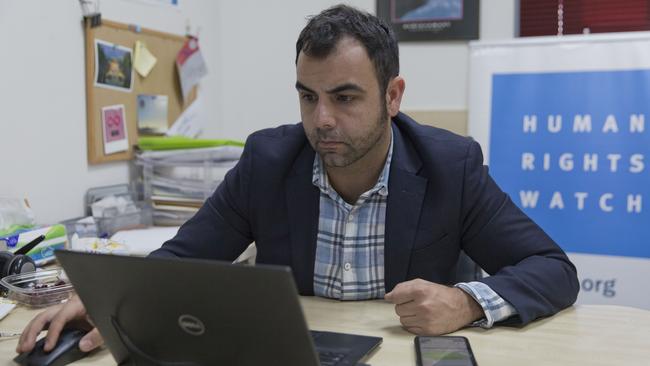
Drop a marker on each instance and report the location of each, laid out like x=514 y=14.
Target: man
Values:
x=364 y=203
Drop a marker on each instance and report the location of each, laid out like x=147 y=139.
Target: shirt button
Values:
x=347 y=266
x=350 y=217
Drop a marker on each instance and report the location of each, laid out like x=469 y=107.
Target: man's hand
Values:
x=427 y=308
x=54 y=319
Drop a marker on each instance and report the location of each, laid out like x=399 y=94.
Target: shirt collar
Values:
x=320 y=180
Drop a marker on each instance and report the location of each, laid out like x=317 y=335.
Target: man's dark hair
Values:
x=323 y=31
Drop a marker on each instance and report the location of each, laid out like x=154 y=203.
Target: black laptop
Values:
x=154 y=311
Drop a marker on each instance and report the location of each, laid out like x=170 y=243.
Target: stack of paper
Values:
x=177 y=182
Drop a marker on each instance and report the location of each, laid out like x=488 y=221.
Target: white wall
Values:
x=257 y=50
x=249 y=48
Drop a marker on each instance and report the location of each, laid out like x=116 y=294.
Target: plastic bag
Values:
x=15 y=214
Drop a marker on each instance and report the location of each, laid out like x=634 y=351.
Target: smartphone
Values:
x=444 y=351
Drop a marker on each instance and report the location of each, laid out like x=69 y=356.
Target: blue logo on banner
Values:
x=570 y=149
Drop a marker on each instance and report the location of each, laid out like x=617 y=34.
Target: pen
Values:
x=29 y=246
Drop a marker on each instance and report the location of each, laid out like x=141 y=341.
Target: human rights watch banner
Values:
x=564 y=124
x=570 y=148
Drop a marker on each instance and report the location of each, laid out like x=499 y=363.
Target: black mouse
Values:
x=66 y=350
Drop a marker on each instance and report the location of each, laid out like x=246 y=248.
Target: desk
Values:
x=580 y=335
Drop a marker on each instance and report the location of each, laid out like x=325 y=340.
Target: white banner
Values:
x=562 y=124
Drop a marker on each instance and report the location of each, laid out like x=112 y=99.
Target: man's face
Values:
x=343 y=113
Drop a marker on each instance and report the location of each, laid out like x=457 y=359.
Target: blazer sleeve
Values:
x=220 y=229
x=527 y=268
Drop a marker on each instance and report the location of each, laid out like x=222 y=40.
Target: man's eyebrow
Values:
x=337 y=89
x=301 y=86
x=346 y=87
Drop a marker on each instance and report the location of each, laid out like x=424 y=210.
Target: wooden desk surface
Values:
x=586 y=334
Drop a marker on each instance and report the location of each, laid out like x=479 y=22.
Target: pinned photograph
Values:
x=114 y=128
x=113 y=66
x=152 y=114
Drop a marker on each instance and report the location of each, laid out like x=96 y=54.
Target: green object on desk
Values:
x=180 y=142
x=14 y=228
x=55 y=231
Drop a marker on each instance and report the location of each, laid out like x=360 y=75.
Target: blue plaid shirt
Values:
x=349 y=262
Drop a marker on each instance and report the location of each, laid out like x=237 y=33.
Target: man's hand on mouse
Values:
x=54 y=319
x=427 y=308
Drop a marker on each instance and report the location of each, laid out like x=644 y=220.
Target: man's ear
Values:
x=394 y=92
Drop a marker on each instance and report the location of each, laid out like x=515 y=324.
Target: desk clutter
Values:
x=168 y=186
x=177 y=182
x=19 y=235
x=26 y=246
x=108 y=210
x=38 y=289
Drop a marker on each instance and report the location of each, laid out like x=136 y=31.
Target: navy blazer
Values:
x=441 y=200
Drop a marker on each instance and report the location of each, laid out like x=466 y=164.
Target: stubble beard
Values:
x=354 y=150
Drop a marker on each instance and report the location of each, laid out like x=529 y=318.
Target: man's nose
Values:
x=324 y=115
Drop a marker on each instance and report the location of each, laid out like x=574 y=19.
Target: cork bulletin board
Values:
x=162 y=80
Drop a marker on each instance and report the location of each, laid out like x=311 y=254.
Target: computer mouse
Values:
x=66 y=350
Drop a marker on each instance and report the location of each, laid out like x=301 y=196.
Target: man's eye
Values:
x=344 y=98
x=308 y=97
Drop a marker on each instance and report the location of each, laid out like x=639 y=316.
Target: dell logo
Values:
x=191 y=325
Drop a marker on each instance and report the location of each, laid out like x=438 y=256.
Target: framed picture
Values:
x=113 y=66
x=431 y=20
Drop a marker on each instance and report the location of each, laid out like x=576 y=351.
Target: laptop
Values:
x=159 y=311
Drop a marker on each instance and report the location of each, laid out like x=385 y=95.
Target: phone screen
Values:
x=444 y=351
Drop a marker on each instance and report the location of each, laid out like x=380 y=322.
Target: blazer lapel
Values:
x=406 y=192
x=302 y=205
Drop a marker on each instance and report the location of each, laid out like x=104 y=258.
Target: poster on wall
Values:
x=563 y=123
x=431 y=20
